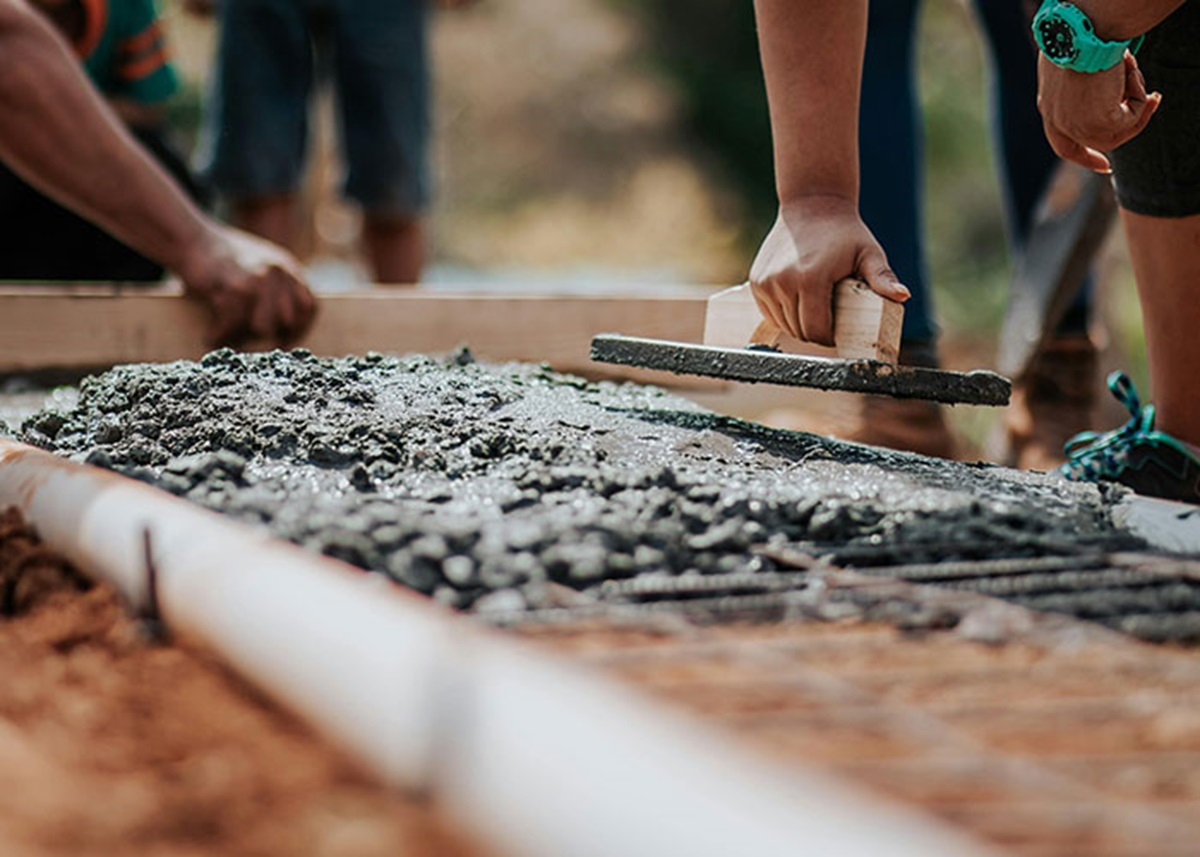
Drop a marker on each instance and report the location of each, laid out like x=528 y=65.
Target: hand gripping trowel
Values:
x=740 y=346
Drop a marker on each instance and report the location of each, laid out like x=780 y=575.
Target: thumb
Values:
x=227 y=320
x=881 y=278
x=1145 y=111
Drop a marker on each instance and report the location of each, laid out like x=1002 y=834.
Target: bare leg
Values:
x=1166 y=263
x=395 y=247
x=270 y=217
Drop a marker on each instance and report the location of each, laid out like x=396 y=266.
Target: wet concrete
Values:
x=790 y=370
x=487 y=486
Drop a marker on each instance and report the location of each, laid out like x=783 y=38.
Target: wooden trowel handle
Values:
x=766 y=334
x=865 y=325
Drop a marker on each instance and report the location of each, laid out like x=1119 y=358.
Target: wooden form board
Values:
x=54 y=327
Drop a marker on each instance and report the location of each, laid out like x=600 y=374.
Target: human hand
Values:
x=1087 y=115
x=814 y=243
x=252 y=288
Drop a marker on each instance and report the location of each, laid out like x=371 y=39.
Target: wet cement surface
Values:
x=484 y=486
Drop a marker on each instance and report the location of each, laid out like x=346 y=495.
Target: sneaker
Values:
x=906 y=424
x=1051 y=404
x=1136 y=455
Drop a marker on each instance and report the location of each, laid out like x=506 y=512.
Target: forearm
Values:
x=57 y=133
x=1116 y=20
x=812 y=62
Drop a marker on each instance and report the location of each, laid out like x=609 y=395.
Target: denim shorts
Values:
x=1157 y=173
x=273 y=54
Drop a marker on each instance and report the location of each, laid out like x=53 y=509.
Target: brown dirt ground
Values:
x=1064 y=740
x=113 y=745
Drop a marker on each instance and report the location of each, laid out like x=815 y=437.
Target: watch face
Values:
x=1058 y=39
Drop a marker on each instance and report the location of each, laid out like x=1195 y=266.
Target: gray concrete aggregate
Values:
x=496 y=486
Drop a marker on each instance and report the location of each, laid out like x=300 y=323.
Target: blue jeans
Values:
x=271 y=55
x=891 y=199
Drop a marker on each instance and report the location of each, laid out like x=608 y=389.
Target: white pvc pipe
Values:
x=1167 y=526
x=539 y=759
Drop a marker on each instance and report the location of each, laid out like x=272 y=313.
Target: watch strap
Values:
x=1091 y=53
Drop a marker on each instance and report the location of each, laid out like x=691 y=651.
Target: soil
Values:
x=112 y=744
x=494 y=486
x=1066 y=740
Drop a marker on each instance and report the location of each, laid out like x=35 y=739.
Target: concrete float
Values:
x=537 y=759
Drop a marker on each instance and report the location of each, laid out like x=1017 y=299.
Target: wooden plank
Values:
x=45 y=327
x=866 y=325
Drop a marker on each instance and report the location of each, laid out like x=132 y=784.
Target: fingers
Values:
x=1139 y=106
x=228 y=326
x=881 y=278
x=799 y=306
x=307 y=314
x=781 y=301
x=768 y=306
x=1069 y=150
x=297 y=309
x=814 y=243
x=276 y=308
x=1087 y=115
x=1149 y=108
x=789 y=308
x=816 y=312
x=285 y=311
x=283 y=308
x=263 y=310
x=1135 y=81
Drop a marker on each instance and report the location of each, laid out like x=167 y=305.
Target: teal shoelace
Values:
x=1092 y=456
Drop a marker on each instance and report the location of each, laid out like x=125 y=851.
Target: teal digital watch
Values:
x=1067 y=38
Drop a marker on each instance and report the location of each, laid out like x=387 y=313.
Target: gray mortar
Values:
x=468 y=481
x=791 y=370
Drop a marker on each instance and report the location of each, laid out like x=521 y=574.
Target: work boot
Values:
x=1052 y=404
x=911 y=425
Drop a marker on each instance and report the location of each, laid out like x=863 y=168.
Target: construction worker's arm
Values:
x=1086 y=115
x=57 y=133
x=812 y=61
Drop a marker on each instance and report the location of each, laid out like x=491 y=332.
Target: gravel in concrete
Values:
x=463 y=480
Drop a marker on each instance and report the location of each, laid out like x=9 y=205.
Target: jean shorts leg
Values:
x=256 y=127
x=381 y=73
